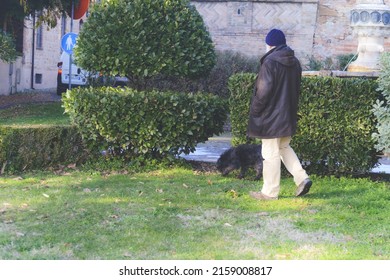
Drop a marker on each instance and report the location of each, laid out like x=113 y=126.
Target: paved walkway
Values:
x=215 y=146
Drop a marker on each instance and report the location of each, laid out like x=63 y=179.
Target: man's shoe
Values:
x=261 y=196
x=304 y=187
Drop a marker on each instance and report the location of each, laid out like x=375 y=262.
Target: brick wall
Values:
x=314 y=28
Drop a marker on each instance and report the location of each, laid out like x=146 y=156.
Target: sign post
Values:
x=68 y=42
x=70 y=55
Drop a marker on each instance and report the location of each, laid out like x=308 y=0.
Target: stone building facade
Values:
x=37 y=68
x=314 y=28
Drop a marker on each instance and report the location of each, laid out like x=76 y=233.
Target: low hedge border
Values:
x=40 y=147
x=335 y=124
x=151 y=124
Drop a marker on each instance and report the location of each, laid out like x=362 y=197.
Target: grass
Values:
x=35 y=114
x=177 y=213
x=181 y=214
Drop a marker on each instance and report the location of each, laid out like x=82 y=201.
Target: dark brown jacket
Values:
x=274 y=104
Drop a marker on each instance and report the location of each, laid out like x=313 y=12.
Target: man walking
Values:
x=273 y=116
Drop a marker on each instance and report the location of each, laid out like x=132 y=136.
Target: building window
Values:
x=38 y=78
x=40 y=37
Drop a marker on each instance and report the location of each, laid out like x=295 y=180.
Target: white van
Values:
x=79 y=76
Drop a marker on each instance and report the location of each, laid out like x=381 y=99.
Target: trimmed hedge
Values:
x=39 y=147
x=241 y=88
x=335 y=122
x=134 y=123
x=381 y=108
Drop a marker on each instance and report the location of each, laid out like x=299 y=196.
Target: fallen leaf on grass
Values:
x=282 y=256
x=46 y=195
x=18 y=178
x=24 y=205
x=72 y=166
x=263 y=214
x=349 y=238
x=232 y=193
x=312 y=211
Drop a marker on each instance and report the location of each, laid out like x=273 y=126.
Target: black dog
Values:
x=241 y=156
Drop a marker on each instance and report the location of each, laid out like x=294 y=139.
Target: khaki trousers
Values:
x=275 y=151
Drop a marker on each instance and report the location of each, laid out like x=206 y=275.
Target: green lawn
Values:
x=177 y=213
x=46 y=114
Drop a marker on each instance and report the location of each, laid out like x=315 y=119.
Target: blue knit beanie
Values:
x=275 y=38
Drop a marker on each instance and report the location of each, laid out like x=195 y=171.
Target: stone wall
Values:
x=314 y=28
x=242 y=25
x=333 y=35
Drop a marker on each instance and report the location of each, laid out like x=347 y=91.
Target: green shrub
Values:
x=7 y=48
x=140 y=39
x=241 y=88
x=38 y=147
x=228 y=63
x=345 y=59
x=314 y=64
x=382 y=108
x=134 y=123
x=328 y=63
x=335 y=122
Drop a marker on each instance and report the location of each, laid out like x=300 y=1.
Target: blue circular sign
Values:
x=68 y=42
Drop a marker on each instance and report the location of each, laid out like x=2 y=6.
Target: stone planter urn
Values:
x=370 y=21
